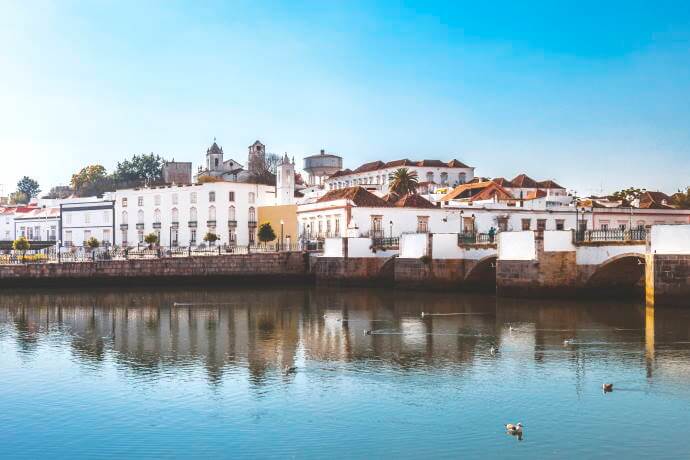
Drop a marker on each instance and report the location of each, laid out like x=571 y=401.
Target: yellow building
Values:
x=287 y=214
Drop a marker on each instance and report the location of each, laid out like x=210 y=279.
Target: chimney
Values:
x=323 y=152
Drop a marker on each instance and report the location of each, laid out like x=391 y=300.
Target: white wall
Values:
x=558 y=241
x=670 y=239
x=516 y=246
x=360 y=247
x=413 y=245
x=596 y=255
x=445 y=246
x=333 y=247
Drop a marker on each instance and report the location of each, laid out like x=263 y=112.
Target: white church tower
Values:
x=285 y=182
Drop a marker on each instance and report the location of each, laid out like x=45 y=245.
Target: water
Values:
x=117 y=373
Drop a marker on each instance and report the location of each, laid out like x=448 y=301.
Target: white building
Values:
x=450 y=173
x=182 y=215
x=39 y=224
x=356 y=212
x=84 y=218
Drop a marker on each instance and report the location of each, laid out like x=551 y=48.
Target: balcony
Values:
x=476 y=238
x=140 y=226
x=192 y=224
x=175 y=224
x=637 y=235
x=211 y=223
x=157 y=225
x=232 y=223
x=252 y=224
x=124 y=226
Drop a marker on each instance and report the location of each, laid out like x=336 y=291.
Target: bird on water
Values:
x=515 y=430
x=607 y=387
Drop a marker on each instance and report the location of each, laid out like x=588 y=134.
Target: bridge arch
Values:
x=483 y=273
x=624 y=271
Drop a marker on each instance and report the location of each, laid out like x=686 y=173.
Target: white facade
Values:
x=182 y=215
x=84 y=218
x=40 y=224
x=442 y=175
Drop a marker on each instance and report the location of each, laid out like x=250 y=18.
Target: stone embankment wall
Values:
x=355 y=271
x=260 y=266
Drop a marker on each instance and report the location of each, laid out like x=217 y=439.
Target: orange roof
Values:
x=376 y=165
x=358 y=195
x=549 y=184
x=413 y=201
x=478 y=191
x=655 y=200
x=524 y=181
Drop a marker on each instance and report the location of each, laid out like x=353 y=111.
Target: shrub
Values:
x=93 y=243
x=210 y=237
x=266 y=233
x=151 y=238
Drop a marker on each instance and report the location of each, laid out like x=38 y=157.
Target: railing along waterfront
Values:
x=85 y=254
x=593 y=236
x=390 y=242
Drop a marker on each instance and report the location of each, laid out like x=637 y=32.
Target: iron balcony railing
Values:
x=157 y=225
x=192 y=224
x=211 y=223
x=476 y=238
x=232 y=223
x=593 y=236
x=252 y=223
x=386 y=242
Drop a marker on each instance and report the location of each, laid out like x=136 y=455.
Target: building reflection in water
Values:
x=261 y=332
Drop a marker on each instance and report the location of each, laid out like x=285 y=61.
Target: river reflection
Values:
x=376 y=373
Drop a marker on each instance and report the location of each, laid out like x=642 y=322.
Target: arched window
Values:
x=252 y=214
x=157 y=216
x=192 y=214
x=211 y=213
x=125 y=217
x=231 y=213
x=430 y=177
x=252 y=197
x=140 y=217
x=462 y=177
x=175 y=215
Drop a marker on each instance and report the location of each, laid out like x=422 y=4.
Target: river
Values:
x=292 y=372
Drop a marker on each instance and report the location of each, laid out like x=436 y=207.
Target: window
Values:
x=157 y=216
x=157 y=200
x=140 y=217
x=231 y=196
x=252 y=197
x=124 y=217
x=429 y=177
x=68 y=238
x=68 y=218
x=87 y=235
x=174 y=237
x=106 y=217
x=192 y=197
x=444 y=178
x=337 y=226
x=560 y=224
x=231 y=213
x=462 y=178
x=192 y=236
x=140 y=201
x=377 y=226
x=328 y=227
x=232 y=237
x=123 y=236
x=192 y=214
x=174 y=198
x=175 y=215
x=252 y=215
x=140 y=236
x=526 y=224
x=53 y=232
x=211 y=197
x=541 y=224
x=252 y=237
x=211 y=213
x=106 y=235
x=87 y=217
x=124 y=202
x=422 y=224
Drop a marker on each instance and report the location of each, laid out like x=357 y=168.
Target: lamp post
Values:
x=390 y=223
x=281 y=234
x=461 y=213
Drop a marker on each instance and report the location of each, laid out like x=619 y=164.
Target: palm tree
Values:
x=403 y=182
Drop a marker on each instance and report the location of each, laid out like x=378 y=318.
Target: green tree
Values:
x=28 y=187
x=19 y=198
x=22 y=245
x=139 y=170
x=210 y=237
x=266 y=233
x=91 y=180
x=403 y=182
x=60 y=191
x=151 y=239
x=682 y=198
x=93 y=243
x=628 y=195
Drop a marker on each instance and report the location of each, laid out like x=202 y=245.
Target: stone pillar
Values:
x=667 y=280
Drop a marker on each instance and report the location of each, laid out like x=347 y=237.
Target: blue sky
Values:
x=594 y=96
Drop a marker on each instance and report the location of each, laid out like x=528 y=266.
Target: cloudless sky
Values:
x=592 y=94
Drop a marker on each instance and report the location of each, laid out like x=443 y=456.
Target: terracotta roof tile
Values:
x=478 y=191
x=414 y=201
x=358 y=195
x=548 y=184
x=524 y=181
